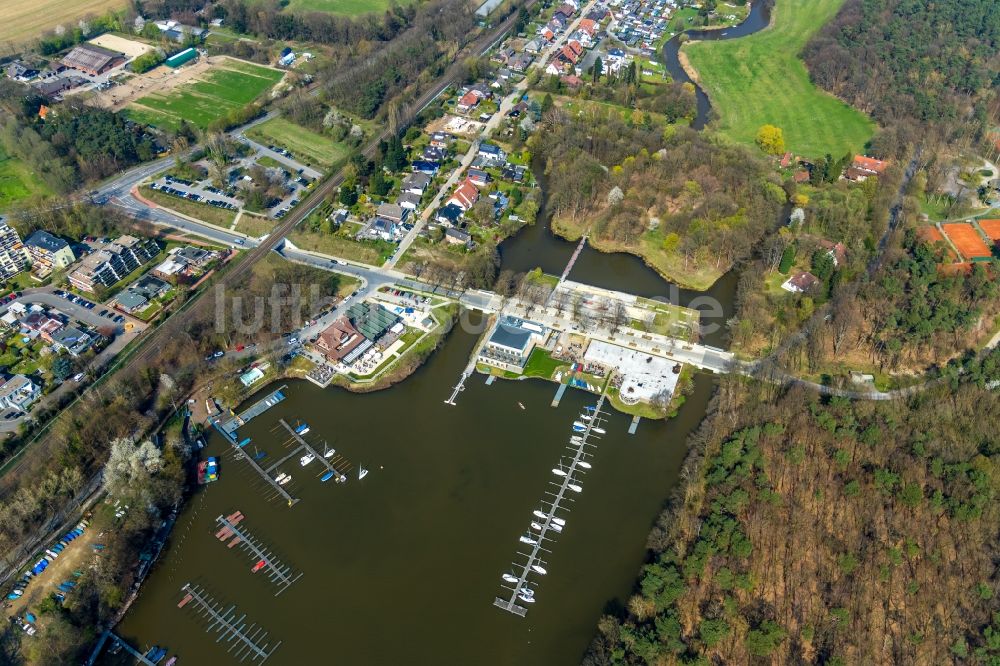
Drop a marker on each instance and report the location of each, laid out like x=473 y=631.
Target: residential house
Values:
x=425 y=166
x=492 y=154
x=434 y=154
x=19 y=392
x=479 y=177
x=20 y=71
x=465 y=195
x=41 y=324
x=531 y=47
x=521 y=62
x=48 y=253
x=416 y=183
x=381 y=228
x=467 y=102
x=514 y=172
x=800 y=282
x=458 y=237
x=449 y=215
x=408 y=201
x=862 y=167
x=837 y=252
x=441 y=140
x=393 y=212
x=72 y=339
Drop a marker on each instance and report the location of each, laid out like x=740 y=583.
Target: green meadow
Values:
x=222 y=89
x=759 y=79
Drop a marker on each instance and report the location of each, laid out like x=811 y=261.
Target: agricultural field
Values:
x=306 y=146
x=345 y=7
x=22 y=22
x=17 y=182
x=229 y=85
x=760 y=80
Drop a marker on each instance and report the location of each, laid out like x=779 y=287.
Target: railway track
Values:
x=176 y=323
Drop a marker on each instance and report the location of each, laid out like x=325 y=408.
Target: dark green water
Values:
x=403 y=566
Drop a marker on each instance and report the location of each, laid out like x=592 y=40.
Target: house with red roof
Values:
x=465 y=196
x=467 y=102
x=862 y=167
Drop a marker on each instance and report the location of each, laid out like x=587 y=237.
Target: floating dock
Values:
x=246 y=640
x=117 y=640
x=229 y=426
x=278 y=488
x=305 y=446
x=279 y=573
x=559 y=394
x=634 y=425
x=550 y=524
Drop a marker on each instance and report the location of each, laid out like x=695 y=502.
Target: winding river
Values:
x=403 y=566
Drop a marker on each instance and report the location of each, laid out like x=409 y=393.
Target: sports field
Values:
x=991 y=228
x=345 y=7
x=22 y=21
x=758 y=80
x=17 y=182
x=306 y=146
x=229 y=85
x=968 y=241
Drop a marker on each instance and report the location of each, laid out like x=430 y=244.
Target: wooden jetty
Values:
x=256 y=409
x=140 y=657
x=533 y=559
x=246 y=640
x=279 y=573
x=278 y=488
x=305 y=446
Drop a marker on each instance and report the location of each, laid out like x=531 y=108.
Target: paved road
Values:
x=506 y=104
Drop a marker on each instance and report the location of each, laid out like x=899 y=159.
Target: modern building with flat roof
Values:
x=13 y=257
x=48 y=252
x=113 y=262
x=511 y=342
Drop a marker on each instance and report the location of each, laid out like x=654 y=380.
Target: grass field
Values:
x=344 y=7
x=307 y=146
x=220 y=217
x=760 y=80
x=229 y=86
x=25 y=21
x=17 y=182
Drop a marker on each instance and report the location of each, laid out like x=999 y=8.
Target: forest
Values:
x=690 y=204
x=912 y=62
x=820 y=530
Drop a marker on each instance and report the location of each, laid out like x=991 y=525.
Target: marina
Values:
x=264 y=560
x=229 y=426
x=303 y=445
x=520 y=587
x=246 y=640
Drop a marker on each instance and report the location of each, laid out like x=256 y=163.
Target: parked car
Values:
x=78 y=377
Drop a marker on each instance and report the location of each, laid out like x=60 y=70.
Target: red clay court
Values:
x=930 y=234
x=991 y=228
x=968 y=241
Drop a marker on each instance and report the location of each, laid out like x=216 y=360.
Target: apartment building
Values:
x=13 y=256
x=113 y=262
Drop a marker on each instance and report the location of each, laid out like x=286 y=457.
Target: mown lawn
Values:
x=222 y=89
x=758 y=80
x=17 y=181
x=307 y=146
x=344 y=7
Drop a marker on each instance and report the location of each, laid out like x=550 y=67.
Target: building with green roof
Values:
x=371 y=319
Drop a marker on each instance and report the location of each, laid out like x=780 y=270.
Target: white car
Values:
x=78 y=376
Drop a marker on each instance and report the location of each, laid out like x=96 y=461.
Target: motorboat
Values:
x=285 y=480
x=526 y=538
x=539 y=569
x=527 y=600
x=591 y=408
x=586 y=417
x=579 y=424
x=281 y=477
x=527 y=591
x=584 y=464
x=521 y=405
x=260 y=565
x=539 y=514
x=171 y=661
x=555 y=528
x=575 y=488
x=559 y=521
x=510 y=578
x=579 y=427
x=329 y=454
x=576 y=439
x=536 y=526
x=306 y=459
x=326 y=476
x=302 y=429
x=599 y=431
x=362 y=473
x=558 y=472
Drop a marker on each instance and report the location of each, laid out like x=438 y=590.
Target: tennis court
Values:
x=968 y=241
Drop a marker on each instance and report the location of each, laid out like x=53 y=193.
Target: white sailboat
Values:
x=555 y=528
x=525 y=599
x=510 y=578
x=306 y=459
x=280 y=477
x=575 y=488
x=526 y=538
x=559 y=521
x=285 y=480
x=536 y=526
x=362 y=473
x=599 y=431
x=329 y=454
x=584 y=465
x=539 y=568
x=558 y=472
x=539 y=514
